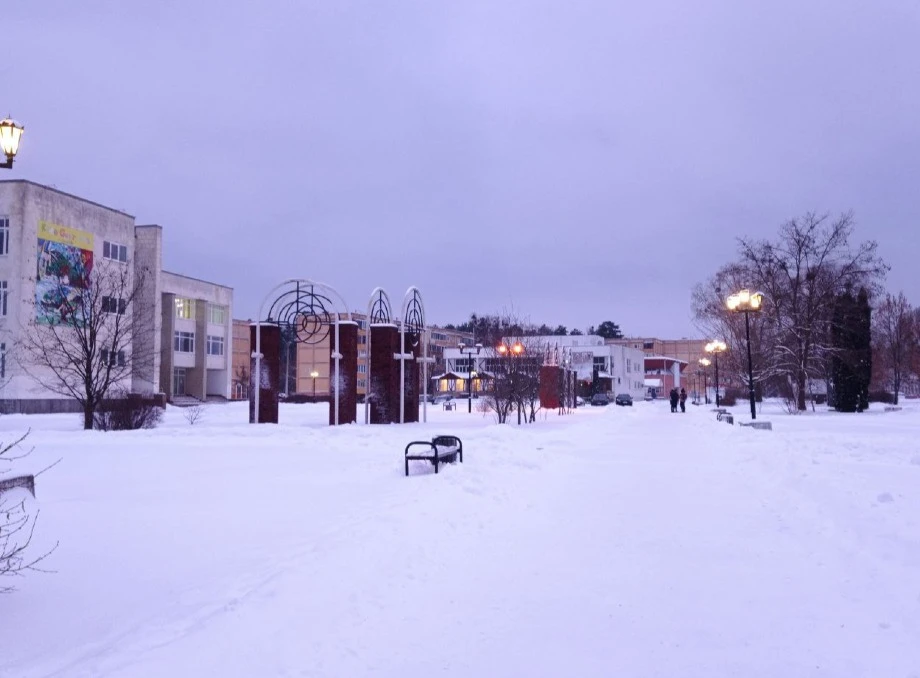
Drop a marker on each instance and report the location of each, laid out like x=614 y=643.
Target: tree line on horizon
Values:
x=490 y=328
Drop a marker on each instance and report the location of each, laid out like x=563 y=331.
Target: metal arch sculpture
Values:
x=378 y=309
x=304 y=310
x=412 y=320
x=284 y=307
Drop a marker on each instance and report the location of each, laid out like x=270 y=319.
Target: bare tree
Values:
x=895 y=337
x=80 y=344
x=801 y=273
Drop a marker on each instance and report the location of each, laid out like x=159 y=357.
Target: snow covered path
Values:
x=618 y=541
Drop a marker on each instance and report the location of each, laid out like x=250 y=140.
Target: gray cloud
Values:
x=579 y=160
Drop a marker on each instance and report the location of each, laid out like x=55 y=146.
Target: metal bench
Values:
x=28 y=482
x=440 y=450
x=725 y=416
x=450 y=405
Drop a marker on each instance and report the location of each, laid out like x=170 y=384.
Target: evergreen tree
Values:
x=863 y=347
x=844 y=360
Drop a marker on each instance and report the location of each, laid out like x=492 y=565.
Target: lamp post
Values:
x=470 y=351
x=10 y=134
x=715 y=348
x=515 y=349
x=314 y=374
x=747 y=302
x=704 y=364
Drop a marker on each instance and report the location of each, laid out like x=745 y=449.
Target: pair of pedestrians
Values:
x=678 y=397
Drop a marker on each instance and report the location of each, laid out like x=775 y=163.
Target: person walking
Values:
x=674 y=398
x=683 y=400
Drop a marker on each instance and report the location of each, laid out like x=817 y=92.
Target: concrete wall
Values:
x=148 y=344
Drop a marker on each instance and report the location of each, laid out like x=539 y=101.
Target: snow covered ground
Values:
x=612 y=542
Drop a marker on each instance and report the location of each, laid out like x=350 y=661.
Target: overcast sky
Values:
x=577 y=160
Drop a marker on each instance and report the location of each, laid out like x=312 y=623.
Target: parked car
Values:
x=600 y=399
x=624 y=399
x=580 y=402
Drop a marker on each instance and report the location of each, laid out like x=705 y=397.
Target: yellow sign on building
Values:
x=64 y=234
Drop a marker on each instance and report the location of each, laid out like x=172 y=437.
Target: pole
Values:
x=314 y=389
x=747 y=331
x=706 y=387
x=716 y=356
x=469 y=388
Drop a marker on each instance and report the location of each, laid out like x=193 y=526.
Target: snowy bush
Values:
x=194 y=414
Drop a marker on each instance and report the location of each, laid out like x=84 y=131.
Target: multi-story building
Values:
x=618 y=369
x=49 y=241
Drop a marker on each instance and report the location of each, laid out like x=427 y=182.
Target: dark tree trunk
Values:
x=88 y=411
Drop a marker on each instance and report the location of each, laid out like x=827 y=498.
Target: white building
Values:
x=620 y=369
x=41 y=227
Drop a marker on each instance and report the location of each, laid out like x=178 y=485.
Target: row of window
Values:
x=110 y=250
x=184 y=342
x=186 y=309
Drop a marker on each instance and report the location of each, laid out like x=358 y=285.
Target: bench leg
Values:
x=435 y=463
x=407 y=467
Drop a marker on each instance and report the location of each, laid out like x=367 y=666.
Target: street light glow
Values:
x=10 y=134
x=705 y=362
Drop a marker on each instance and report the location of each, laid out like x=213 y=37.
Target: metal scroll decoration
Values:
x=379 y=312
x=305 y=311
x=414 y=320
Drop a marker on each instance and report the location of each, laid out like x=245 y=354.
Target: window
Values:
x=362 y=383
x=4 y=235
x=2 y=361
x=4 y=293
x=463 y=364
x=362 y=354
x=217 y=314
x=215 y=345
x=113 y=358
x=362 y=339
x=185 y=308
x=648 y=345
x=113 y=305
x=628 y=365
x=184 y=342
x=362 y=324
x=362 y=369
x=600 y=363
x=114 y=251
x=439 y=336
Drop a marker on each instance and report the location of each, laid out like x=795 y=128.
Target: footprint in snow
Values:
x=885 y=498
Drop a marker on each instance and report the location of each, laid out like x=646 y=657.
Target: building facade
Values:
x=616 y=369
x=52 y=241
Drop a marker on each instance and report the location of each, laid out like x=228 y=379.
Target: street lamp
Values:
x=10 y=134
x=314 y=374
x=516 y=349
x=747 y=302
x=715 y=348
x=704 y=364
x=470 y=351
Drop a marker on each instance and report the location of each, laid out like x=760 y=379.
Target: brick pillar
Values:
x=348 y=372
x=550 y=386
x=270 y=379
x=413 y=346
x=383 y=375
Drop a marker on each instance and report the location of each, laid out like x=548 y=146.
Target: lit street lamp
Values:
x=470 y=351
x=516 y=349
x=747 y=302
x=704 y=364
x=10 y=134
x=314 y=374
x=715 y=348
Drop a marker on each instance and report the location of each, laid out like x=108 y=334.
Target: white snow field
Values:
x=612 y=542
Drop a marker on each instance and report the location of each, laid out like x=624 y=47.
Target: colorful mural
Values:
x=65 y=264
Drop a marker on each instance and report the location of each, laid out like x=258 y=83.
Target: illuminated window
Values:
x=185 y=308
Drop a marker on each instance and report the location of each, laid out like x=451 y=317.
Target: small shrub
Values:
x=127 y=412
x=194 y=414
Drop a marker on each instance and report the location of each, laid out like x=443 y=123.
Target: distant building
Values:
x=189 y=347
x=618 y=369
